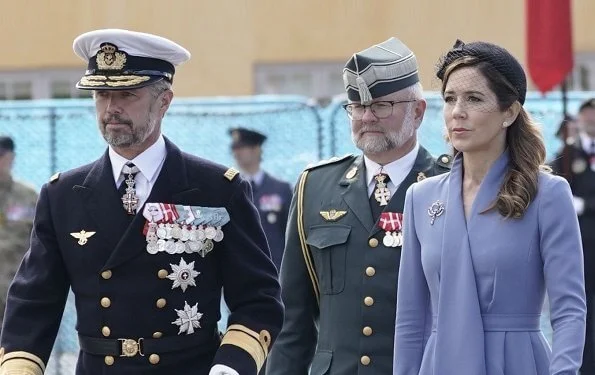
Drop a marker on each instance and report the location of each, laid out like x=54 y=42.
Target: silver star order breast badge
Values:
x=188 y=319
x=183 y=275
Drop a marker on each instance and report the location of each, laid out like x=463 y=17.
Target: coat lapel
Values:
x=356 y=193
x=100 y=198
x=171 y=186
x=422 y=163
x=462 y=327
x=459 y=327
x=489 y=188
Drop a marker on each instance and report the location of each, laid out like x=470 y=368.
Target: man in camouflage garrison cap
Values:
x=17 y=208
x=340 y=267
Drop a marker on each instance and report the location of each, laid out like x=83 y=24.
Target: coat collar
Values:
x=355 y=191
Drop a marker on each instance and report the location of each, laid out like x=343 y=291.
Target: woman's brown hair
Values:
x=523 y=140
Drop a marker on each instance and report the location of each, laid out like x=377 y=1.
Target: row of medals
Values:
x=393 y=239
x=180 y=238
x=382 y=194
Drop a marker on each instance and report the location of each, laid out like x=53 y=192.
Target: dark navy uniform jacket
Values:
x=339 y=281
x=574 y=164
x=273 y=198
x=121 y=290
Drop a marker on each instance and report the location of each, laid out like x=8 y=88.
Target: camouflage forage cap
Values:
x=379 y=70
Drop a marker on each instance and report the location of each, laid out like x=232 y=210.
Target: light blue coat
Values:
x=471 y=291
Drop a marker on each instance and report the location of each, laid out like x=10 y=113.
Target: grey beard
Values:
x=135 y=138
x=389 y=141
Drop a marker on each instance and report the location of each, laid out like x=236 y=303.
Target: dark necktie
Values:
x=592 y=153
x=380 y=195
x=129 y=172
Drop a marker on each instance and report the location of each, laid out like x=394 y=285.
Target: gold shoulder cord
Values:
x=302 y=234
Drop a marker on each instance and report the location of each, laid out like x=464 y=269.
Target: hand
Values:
x=579 y=205
x=222 y=370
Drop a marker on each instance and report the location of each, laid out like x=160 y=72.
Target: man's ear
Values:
x=420 y=110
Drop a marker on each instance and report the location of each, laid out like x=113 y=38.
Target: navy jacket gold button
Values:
x=122 y=291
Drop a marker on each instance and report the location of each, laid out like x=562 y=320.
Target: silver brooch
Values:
x=435 y=210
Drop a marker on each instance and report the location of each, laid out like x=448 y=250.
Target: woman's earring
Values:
x=505 y=124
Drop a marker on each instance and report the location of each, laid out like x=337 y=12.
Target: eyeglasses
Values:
x=382 y=109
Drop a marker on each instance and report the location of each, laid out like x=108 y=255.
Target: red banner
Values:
x=549 y=42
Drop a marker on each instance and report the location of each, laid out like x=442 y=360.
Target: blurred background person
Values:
x=568 y=130
x=576 y=163
x=17 y=208
x=272 y=196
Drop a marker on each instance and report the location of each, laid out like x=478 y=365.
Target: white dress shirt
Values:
x=587 y=143
x=149 y=164
x=396 y=170
x=256 y=178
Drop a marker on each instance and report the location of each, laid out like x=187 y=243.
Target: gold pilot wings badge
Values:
x=332 y=215
x=82 y=236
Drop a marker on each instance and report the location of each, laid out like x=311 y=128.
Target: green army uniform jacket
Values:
x=339 y=281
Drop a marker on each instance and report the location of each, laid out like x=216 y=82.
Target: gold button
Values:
x=373 y=242
x=367 y=331
x=105 y=302
x=162 y=274
x=106 y=274
x=106 y=331
x=157 y=335
x=161 y=302
x=370 y=271
x=368 y=301
x=365 y=360
x=154 y=359
x=109 y=360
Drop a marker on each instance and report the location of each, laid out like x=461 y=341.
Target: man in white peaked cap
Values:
x=146 y=236
x=341 y=261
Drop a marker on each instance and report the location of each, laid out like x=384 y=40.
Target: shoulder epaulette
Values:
x=332 y=160
x=444 y=161
x=231 y=173
x=54 y=177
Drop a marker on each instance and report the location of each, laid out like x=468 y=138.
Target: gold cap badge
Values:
x=110 y=58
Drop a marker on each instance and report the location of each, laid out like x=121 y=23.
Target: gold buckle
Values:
x=131 y=347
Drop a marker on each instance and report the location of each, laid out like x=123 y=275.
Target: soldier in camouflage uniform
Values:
x=17 y=207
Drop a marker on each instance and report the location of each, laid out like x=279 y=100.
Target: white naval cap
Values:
x=124 y=59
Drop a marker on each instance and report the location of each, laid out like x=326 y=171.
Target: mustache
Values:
x=116 y=119
x=365 y=129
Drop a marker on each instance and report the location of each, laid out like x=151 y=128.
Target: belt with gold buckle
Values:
x=131 y=347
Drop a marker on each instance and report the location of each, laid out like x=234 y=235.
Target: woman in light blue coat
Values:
x=484 y=243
